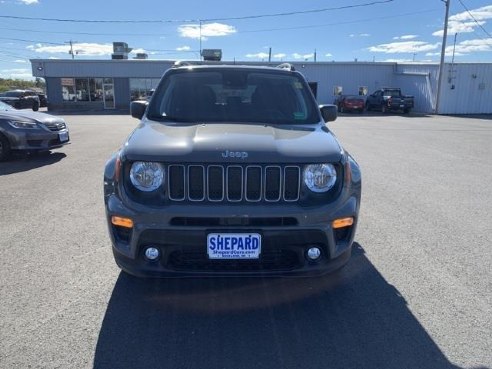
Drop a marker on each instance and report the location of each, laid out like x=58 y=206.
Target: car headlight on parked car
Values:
x=23 y=124
x=147 y=176
x=320 y=177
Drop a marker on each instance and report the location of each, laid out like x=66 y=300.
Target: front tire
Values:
x=4 y=148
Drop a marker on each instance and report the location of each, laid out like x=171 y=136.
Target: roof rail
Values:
x=287 y=66
x=181 y=63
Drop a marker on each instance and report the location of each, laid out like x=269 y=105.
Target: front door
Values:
x=108 y=89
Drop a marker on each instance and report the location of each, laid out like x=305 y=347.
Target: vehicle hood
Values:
x=232 y=143
x=32 y=115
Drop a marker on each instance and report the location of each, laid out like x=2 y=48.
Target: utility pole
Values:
x=443 y=54
x=71 y=48
x=315 y=55
x=200 y=39
x=269 y=54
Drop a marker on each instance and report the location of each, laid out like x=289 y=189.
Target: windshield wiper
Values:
x=168 y=118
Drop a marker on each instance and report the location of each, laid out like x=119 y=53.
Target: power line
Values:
x=299 y=12
x=339 y=23
x=84 y=33
x=377 y=2
x=471 y=15
x=31 y=41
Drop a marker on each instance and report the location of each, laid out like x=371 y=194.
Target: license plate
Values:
x=63 y=136
x=233 y=245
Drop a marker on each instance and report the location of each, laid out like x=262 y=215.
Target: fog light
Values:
x=152 y=253
x=313 y=253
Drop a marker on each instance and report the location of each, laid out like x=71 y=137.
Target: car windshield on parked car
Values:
x=252 y=96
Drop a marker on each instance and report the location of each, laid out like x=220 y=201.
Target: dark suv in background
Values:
x=21 y=99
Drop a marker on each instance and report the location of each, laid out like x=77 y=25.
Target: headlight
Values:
x=320 y=177
x=23 y=124
x=146 y=176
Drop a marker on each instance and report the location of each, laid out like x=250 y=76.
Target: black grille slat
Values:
x=291 y=183
x=215 y=183
x=196 y=183
x=272 y=183
x=176 y=182
x=234 y=183
x=253 y=183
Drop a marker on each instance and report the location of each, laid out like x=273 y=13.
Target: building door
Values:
x=108 y=89
x=314 y=88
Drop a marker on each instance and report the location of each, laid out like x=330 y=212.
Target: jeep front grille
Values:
x=233 y=183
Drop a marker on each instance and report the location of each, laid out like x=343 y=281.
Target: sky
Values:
x=328 y=30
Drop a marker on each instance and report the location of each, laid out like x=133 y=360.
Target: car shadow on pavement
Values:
x=350 y=319
x=24 y=162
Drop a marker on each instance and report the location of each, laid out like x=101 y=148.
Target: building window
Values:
x=337 y=90
x=68 y=89
x=141 y=88
x=82 y=89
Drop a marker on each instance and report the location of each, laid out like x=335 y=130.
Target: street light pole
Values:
x=443 y=53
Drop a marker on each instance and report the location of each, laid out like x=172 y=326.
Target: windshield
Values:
x=392 y=93
x=13 y=93
x=234 y=96
x=4 y=106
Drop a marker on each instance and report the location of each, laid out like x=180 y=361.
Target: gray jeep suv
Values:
x=231 y=171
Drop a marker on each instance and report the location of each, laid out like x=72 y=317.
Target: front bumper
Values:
x=37 y=139
x=180 y=233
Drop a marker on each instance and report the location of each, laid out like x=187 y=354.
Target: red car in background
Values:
x=348 y=103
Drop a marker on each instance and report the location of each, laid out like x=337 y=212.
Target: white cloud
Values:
x=405 y=37
x=257 y=56
x=459 y=27
x=464 y=22
x=298 y=56
x=328 y=55
x=29 y=2
x=467 y=47
x=280 y=55
x=479 y=14
x=207 y=30
x=360 y=35
x=403 y=47
x=397 y=60
x=89 y=49
x=183 y=48
x=16 y=73
x=139 y=51
x=22 y=61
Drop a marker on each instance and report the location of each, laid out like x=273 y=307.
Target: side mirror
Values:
x=137 y=108
x=328 y=112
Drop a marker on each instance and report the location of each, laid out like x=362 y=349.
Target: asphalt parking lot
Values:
x=416 y=294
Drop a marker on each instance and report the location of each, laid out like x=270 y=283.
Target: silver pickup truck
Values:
x=231 y=171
